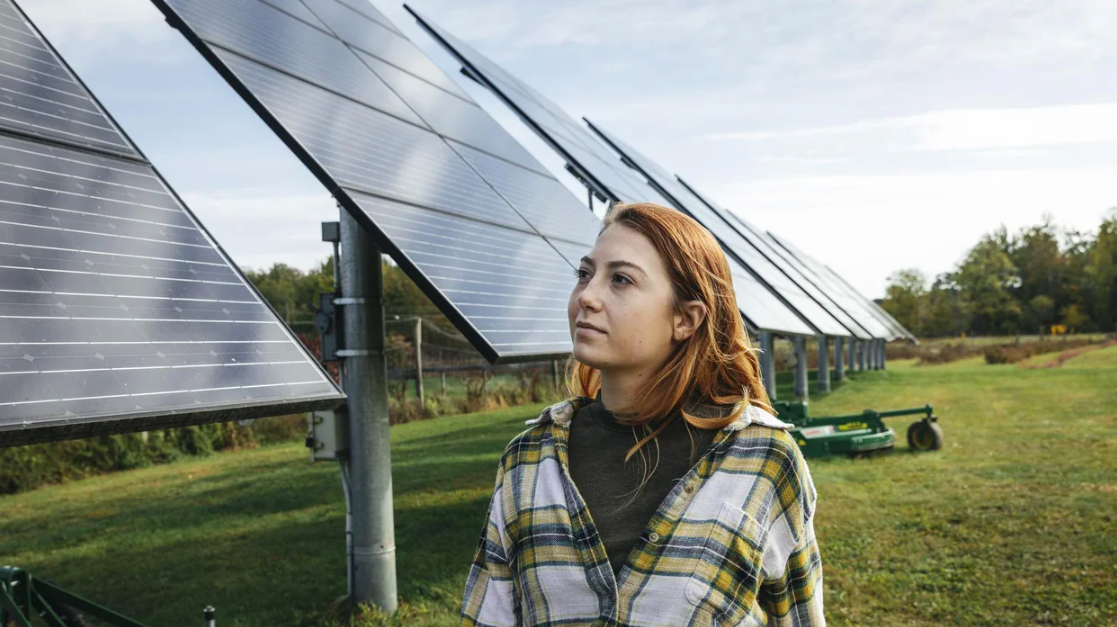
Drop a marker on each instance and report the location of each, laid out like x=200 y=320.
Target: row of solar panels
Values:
x=118 y=311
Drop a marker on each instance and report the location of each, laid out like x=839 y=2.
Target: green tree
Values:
x=905 y=298
x=986 y=279
x=1041 y=312
x=1101 y=272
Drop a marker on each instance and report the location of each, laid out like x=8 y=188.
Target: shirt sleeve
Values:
x=490 y=599
x=791 y=591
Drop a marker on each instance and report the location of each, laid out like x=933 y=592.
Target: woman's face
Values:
x=622 y=310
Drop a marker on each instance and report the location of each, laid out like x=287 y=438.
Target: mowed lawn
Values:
x=1013 y=523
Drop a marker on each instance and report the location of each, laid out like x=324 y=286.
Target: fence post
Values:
x=419 y=361
x=555 y=373
x=442 y=381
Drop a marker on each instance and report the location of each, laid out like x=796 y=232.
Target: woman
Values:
x=701 y=502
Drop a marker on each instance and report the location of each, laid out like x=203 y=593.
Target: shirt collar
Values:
x=561 y=414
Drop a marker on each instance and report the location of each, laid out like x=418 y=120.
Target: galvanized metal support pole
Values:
x=870 y=354
x=878 y=355
x=373 y=561
x=883 y=354
x=839 y=357
x=823 y=363
x=768 y=364
x=852 y=361
x=801 y=391
x=861 y=350
x=419 y=361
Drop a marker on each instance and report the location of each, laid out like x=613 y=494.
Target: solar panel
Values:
x=591 y=161
x=480 y=225
x=118 y=312
x=862 y=325
x=895 y=329
x=746 y=248
x=600 y=169
x=851 y=307
x=41 y=97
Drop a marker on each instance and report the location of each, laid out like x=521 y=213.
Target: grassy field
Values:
x=1013 y=523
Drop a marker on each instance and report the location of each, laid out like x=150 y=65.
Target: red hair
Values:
x=717 y=365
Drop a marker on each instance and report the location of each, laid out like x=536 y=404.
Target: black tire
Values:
x=924 y=436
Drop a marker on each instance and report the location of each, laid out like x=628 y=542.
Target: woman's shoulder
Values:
x=538 y=436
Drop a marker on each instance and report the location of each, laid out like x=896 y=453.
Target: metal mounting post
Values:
x=883 y=354
x=801 y=391
x=823 y=363
x=373 y=560
x=839 y=355
x=851 y=358
x=768 y=364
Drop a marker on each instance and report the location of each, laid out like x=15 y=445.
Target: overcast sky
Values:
x=875 y=134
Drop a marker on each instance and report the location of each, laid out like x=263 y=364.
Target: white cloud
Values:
x=967 y=129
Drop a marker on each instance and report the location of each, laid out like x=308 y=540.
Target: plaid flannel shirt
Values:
x=732 y=544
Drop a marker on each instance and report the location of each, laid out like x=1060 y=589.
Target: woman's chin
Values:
x=589 y=355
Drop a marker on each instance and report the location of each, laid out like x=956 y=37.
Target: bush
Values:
x=1013 y=353
x=28 y=467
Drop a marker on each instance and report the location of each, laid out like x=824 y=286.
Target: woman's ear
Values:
x=690 y=316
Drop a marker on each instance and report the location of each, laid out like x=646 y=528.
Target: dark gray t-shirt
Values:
x=597 y=448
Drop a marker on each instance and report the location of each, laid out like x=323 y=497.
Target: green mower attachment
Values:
x=858 y=434
x=23 y=597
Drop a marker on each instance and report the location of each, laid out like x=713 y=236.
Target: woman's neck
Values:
x=620 y=390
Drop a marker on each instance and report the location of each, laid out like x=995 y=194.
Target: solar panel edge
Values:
x=782 y=252
x=97 y=424
x=477 y=75
x=898 y=330
x=666 y=194
x=138 y=156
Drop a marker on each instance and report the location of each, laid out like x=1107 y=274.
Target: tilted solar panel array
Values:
x=896 y=330
x=750 y=252
x=118 y=311
x=600 y=169
x=837 y=295
x=861 y=324
x=480 y=225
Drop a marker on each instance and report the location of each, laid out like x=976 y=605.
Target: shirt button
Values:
x=653 y=537
x=688 y=488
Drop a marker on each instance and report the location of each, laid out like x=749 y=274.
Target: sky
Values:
x=877 y=135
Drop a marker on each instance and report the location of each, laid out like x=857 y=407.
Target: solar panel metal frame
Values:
x=868 y=319
x=342 y=194
x=804 y=272
x=83 y=426
x=897 y=329
x=633 y=161
x=585 y=174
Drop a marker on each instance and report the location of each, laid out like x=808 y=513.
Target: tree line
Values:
x=1040 y=277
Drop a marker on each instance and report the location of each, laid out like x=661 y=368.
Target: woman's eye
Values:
x=622 y=279
x=581 y=274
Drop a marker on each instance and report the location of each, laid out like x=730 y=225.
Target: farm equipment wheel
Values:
x=924 y=436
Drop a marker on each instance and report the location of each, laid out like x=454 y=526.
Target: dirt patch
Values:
x=1068 y=355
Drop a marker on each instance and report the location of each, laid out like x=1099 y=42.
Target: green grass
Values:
x=1013 y=523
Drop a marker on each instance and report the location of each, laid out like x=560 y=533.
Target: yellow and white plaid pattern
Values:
x=732 y=544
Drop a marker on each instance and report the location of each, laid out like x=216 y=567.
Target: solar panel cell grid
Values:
x=271 y=37
x=39 y=96
x=488 y=206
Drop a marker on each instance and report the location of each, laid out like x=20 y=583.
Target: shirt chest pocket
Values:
x=727 y=575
